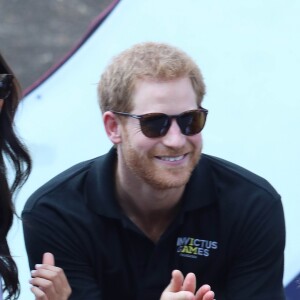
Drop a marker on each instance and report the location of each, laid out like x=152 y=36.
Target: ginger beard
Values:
x=148 y=167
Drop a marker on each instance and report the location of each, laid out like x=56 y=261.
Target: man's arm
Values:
x=44 y=231
x=256 y=269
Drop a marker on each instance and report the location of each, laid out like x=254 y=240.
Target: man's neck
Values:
x=152 y=210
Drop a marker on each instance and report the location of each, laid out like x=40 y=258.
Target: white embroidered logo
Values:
x=193 y=248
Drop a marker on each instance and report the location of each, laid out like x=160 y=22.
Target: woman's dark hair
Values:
x=12 y=152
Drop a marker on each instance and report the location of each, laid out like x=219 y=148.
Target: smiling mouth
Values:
x=171 y=158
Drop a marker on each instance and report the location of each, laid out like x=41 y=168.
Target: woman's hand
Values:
x=49 y=282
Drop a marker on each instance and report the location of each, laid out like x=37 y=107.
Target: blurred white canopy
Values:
x=249 y=54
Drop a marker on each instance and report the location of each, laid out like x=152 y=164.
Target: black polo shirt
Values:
x=230 y=232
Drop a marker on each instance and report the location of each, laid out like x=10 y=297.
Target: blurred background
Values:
x=249 y=53
x=35 y=35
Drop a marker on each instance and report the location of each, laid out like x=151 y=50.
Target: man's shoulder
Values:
x=67 y=182
x=235 y=175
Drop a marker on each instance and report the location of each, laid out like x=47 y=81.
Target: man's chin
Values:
x=169 y=182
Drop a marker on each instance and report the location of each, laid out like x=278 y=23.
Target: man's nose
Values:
x=174 y=137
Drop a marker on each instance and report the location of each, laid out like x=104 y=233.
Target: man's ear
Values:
x=112 y=127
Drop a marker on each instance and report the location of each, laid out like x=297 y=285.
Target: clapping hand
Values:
x=181 y=288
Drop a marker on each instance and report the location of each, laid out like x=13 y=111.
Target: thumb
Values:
x=176 y=282
x=48 y=259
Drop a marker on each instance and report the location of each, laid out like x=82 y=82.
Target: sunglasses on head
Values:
x=5 y=85
x=155 y=125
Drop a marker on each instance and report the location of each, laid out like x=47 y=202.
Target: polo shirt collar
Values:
x=100 y=186
x=200 y=190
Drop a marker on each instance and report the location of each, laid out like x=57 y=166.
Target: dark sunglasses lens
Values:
x=5 y=85
x=154 y=125
x=191 y=122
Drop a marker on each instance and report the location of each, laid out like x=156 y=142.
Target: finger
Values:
x=44 y=284
x=48 y=259
x=175 y=283
x=54 y=288
x=45 y=271
x=48 y=281
x=174 y=290
x=203 y=290
x=189 y=283
x=56 y=276
x=47 y=267
x=38 y=293
x=209 y=296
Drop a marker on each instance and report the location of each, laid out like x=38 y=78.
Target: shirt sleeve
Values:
x=257 y=266
x=45 y=230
